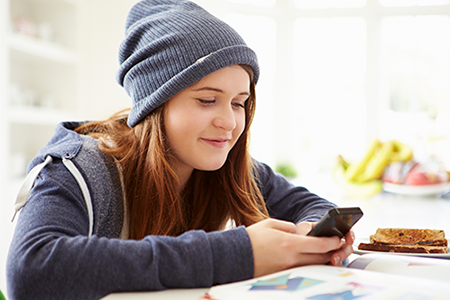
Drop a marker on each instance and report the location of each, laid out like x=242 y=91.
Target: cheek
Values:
x=240 y=124
x=180 y=125
x=173 y=128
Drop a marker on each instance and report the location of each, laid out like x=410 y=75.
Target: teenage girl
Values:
x=164 y=195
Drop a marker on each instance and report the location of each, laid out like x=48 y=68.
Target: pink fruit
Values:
x=417 y=176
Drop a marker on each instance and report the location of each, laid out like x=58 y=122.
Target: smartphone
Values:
x=337 y=222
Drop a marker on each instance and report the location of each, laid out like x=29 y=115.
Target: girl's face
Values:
x=204 y=121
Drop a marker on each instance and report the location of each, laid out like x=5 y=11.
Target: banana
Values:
x=343 y=162
x=401 y=151
x=355 y=189
x=363 y=178
x=377 y=163
x=355 y=170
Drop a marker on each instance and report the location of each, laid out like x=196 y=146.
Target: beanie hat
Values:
x=168 y=46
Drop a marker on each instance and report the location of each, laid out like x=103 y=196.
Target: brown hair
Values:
x=155 y=204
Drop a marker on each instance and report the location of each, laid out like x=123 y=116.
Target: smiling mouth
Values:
x=219 y=143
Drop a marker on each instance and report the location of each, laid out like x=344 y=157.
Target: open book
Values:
x=370 y=276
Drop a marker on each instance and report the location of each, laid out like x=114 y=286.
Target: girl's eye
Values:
x=238 y=104
x=206 y=102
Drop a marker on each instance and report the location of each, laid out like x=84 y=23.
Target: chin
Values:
x=212 y=166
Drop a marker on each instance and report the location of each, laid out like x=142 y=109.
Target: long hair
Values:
x=154 y=201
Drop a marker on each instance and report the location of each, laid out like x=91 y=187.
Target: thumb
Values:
x=285 y=226
x=303 y=228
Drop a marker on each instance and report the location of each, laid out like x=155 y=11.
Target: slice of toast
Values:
x=405 y=236
x=404 y=240
x=403 y=248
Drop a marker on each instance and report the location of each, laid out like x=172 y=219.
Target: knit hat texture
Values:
x=168 y=46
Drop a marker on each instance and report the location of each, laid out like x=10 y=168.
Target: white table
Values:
x=181 y=294
x=383 y=210
x=175 y=294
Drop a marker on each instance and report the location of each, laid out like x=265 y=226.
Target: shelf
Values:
x=38 y=115
x=40 y=80
x=42 y=49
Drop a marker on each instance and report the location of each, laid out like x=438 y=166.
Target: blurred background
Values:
x=334 y=75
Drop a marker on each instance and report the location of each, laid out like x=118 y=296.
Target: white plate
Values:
x=435 y=255
x=418 y=190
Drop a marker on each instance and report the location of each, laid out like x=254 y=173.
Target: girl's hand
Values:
x=279 y=245
x=344 y=250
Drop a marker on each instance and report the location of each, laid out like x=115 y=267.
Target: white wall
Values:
x=102 y=30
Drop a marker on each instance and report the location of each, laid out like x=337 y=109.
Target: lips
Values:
x=216 y=142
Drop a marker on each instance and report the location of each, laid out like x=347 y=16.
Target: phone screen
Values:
x=337 y=222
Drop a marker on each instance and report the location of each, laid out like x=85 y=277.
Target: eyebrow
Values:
x=206 y=88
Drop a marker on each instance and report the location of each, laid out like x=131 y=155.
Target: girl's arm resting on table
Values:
x=51 y=256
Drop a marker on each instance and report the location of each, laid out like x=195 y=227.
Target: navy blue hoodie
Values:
x=67 y=244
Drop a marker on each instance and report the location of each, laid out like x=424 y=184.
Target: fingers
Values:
x=312 y=244
x=344 y=251
x=337 y=257
x=300 y=243
x=316 y=244
x=278 y=245
x=350 y=238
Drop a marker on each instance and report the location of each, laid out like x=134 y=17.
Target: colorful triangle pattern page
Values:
x=284 y=283
x=331 y=283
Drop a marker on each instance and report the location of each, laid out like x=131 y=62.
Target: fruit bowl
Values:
x=416 y=190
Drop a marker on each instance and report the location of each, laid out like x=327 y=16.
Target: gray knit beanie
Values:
x=171 y=44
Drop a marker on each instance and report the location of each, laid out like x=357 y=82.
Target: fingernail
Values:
x=337 y=260
x=352 y=234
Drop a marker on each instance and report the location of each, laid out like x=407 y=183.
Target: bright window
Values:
x=267 y=3
x=328 y=108
x=336 y=73
x=416 y=80
x=417 y=59
x=393 y=3
x=329 y=3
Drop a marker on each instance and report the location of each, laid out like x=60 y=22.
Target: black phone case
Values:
x=337 y=222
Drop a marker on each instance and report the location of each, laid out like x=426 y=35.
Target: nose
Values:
x=225 y=119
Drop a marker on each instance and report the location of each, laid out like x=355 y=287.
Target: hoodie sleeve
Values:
x=289 y=202
x=51 y=257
